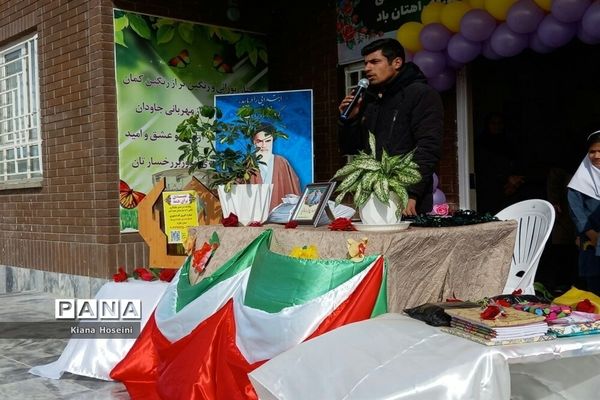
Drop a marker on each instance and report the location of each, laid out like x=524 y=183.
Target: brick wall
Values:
x=71 y=223
x=305 y=57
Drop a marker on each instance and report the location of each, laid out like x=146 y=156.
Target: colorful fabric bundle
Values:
x=550 y=311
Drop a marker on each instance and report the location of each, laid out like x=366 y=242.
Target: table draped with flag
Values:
x=424 y=264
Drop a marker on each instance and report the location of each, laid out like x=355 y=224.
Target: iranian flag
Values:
x=203 y=340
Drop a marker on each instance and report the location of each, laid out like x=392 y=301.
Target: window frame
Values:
x=20 y=116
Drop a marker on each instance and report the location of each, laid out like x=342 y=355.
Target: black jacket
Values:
x=403 y=115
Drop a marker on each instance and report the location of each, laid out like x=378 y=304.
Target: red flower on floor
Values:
x=255 y=223
x=144 y=274
x=230 y=221
x=586 y=306
x=120 y=276
x=341 y=224
x=167 y=274
x=517 y=292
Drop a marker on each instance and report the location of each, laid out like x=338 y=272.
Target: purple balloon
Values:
x=524 y=16
x=436 y=182
x=452 y=63
x=463 y=50
x=537 y=45
x=488 y=52
x=408 y=56
x=554 y=33
x=569 y=10
x=430 y=62
x=591 y=20
x=584 y=37
x=507 y=43
x=434 y=37
x=443 y=81
x=438 y=197
x=477 y=25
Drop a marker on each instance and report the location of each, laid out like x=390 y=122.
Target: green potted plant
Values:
x=378 y=186
x=226 y=152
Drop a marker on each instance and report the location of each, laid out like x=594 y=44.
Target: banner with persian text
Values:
x=165 y=69
x=362 y=21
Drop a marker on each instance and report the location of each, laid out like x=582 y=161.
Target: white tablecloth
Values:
x=97 y=357
x=396 y=357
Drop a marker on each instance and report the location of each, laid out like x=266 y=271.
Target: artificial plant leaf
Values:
x=345 y=170
x=207 y=111
x=369 y=164
x=372 y=143
x=349 y=180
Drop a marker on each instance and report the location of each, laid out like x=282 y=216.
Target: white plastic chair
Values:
x=535 y=218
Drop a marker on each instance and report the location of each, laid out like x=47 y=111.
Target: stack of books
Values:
x=512 y=328
x=576 y=324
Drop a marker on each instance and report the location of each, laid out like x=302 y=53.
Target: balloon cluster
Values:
x=451 y=35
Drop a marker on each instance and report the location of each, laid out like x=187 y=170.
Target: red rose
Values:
x=144 y=274
x=503 y=302
x=441 y=209
x=490 y=312
x=291 y=225
x=121 y=276
x=517 y=292
x=348 y=33
x=167 y=274
x=255 y=223
x=586 y=306
x=230 y=221
x=341 y=224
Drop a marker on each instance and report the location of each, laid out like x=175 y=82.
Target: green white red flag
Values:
x=203 y=340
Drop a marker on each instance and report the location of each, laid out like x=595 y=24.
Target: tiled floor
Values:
x=17 y=356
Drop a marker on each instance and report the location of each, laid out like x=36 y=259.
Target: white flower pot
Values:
x=249 y=202
x=374 y=212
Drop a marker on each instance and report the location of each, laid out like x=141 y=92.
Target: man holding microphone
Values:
x=401 y=110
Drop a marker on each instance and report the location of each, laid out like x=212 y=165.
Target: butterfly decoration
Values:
x=128 y=197
x=220 y=65
x=181 y=60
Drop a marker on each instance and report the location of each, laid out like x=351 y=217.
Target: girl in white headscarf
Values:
x=584 y=204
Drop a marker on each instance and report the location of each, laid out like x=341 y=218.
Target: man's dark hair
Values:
x=390 y=48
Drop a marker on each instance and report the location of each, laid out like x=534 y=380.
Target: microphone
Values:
x=363 y=84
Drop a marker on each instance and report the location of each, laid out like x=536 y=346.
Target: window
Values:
x=20 y=139
x=353 y=72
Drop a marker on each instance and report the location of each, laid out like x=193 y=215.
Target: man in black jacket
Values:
x=402 y=111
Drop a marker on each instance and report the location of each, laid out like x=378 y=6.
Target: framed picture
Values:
x=313 y=203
